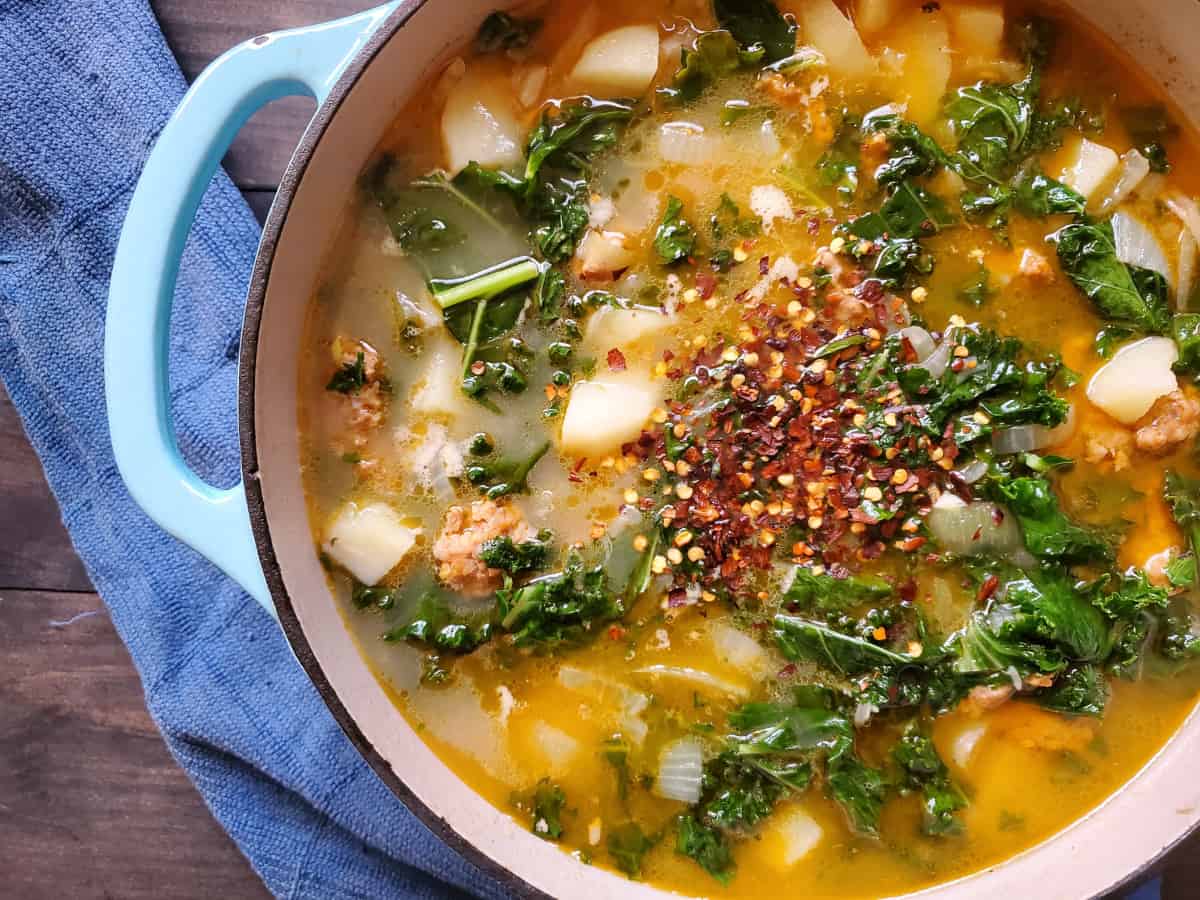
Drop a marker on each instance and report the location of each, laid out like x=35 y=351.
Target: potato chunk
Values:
x=1092 y=168
x=978 y=30
x=1127 y=386
x=619 y=63
x=368 y=541
x=621 y=328
x=479 y=124
x=603 y=415
x=825 y=27
x=872 y=16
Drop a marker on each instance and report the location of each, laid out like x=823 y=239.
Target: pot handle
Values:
x=186 y=156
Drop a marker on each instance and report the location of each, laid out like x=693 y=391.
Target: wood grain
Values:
x=91 y=802
x=34 y=548
x=200 y=30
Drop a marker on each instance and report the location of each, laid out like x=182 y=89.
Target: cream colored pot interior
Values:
x=1132 y=828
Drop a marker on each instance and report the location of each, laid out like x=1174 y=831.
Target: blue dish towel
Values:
x=85 y=86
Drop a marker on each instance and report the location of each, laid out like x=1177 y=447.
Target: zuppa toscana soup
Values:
x=755 y=444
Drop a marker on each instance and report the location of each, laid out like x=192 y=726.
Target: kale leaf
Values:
x=1185 y=329
x=802 y=639
x=351 y=377
x=1182 y=494
x=627 y=844
x=675 y=239
x=757 y=25
x=713 y=56
x=545 y=805
x=500 y=31
x=1123 y=295
x=561 y=608
x=922 y=770
x=433 y=625
x=1049 y=534
x=829 y=593
x=912 y=152
x=1080 y=691
x=505 y=554
x=505 y=475
x=706 y=845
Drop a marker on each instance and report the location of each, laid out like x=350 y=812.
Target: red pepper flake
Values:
x=764 y=265
x=908 y=545
x=706 y=284
x=616 y=360
x=478 y=367
x=989 y=586
x=616 y=632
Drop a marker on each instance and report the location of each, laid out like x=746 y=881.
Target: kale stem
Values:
x=473 y=338
x=486 y=284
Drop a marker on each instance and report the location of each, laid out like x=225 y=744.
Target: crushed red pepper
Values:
x=797 y=460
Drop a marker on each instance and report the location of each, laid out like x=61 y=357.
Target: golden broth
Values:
x=504 y=719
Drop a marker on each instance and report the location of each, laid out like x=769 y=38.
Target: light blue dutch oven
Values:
x=362 y=70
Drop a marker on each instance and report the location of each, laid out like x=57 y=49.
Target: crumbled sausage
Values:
x=1109 y=446
x=1035 y=267
x=1172 y=420
x=464 y=533
x=983 y=698
x=367 y=405
x=801 y=95
x=1156 y=567
x=875 y=150
x=842 y=303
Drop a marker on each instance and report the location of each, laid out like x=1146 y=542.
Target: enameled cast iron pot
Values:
x=362 y=70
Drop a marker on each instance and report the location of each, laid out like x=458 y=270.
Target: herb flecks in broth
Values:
x=757 y=432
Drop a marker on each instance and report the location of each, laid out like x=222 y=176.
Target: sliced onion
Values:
x=920 y=340
x=680 y=769
x=1137 y=246
x=1134 y=169
x=973 y=471
x=863 y=713
x=737 y=649
x=1185 y=281
x=768 y=146
x=1024 y=438
x=968 y=529
x=1189 y=214
x=696 y=678
x=1018 y=439
x=685 y=143
x=937 y=361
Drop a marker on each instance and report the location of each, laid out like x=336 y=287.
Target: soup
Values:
x=754 y=444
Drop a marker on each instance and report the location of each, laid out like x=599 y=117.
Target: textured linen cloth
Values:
x=85 y=87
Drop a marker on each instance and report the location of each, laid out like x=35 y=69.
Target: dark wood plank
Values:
x=35 y=551
x=198 y=31
x=259 y=202
x=91 y=802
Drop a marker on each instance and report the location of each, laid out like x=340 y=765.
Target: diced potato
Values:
x=439 y=393
x=925 y=42
x=368 y=541
x=603 y=415
x=792 y=835
x=978 y=30
x=965 y=743
x=601 y=254
x=614 y=326
x=872 y=16
x=619 y=63
x=824 y=27
x=1092 y=168
x=479 y=124
x=557 y=747
x=1137 y=375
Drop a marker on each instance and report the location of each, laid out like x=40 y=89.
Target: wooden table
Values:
x=91 y=803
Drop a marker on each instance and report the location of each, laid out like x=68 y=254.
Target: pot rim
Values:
x=288 y=618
